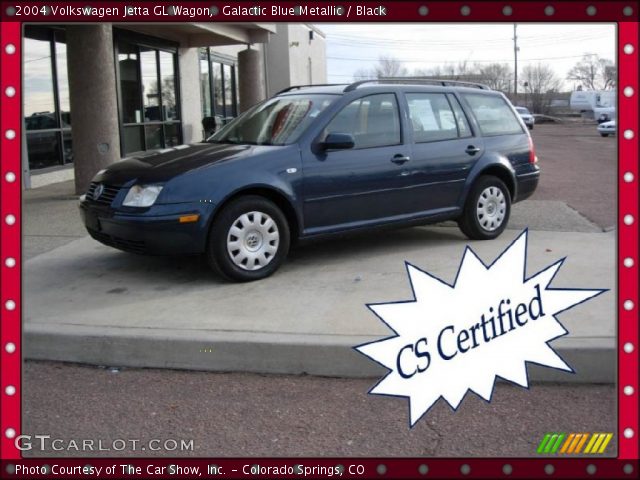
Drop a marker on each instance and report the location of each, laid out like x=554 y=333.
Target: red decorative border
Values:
x=628 y=237
x=10 y=235
x=625 y=466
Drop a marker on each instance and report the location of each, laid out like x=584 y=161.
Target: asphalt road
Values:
x=238 y=414
x=578 y=167
x=258 y=415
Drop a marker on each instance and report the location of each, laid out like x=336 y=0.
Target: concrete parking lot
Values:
x=70 y=278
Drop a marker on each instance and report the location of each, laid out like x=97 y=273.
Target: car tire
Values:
x=530 y=127
x=604 y=134
x=487 y=209
x=249 y=239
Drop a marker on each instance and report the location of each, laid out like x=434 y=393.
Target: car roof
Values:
x=341 y=89
x=337 y=89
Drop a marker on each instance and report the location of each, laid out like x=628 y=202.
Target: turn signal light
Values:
x=189 y=218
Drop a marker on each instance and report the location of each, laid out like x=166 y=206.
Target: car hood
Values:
x=609 y=124
x=164 y=165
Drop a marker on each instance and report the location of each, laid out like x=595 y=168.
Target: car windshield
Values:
x=522 y=110
x=277 y=121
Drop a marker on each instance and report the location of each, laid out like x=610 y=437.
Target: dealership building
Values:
x=96 y=93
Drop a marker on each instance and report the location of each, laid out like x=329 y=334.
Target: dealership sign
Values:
x=456 y=338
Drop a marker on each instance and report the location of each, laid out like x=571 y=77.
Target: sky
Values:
x=351 y=47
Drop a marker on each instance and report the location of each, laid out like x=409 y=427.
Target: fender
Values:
x=494 y=164
x=279 y=188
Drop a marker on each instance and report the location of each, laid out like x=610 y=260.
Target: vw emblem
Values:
x=98 y=191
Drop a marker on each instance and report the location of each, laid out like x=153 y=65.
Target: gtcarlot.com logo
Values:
x=45 y=442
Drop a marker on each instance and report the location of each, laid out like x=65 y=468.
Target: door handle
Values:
x=400 y=159
x=472 y=150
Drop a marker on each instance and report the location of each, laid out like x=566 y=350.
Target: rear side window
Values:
x=373 y=121
x=493 y=114
x=431 y=117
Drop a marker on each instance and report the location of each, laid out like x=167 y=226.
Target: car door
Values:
x=352 y=187
x=444 y=149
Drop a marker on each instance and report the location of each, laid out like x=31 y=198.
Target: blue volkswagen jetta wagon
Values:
x=315 y=161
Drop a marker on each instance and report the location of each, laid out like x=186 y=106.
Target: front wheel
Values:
x=486 y=212
x=249 y=239
x=604 y=134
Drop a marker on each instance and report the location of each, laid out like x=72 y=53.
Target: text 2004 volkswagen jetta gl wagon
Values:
x=320 y=160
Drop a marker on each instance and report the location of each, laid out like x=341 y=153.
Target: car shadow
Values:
x=194 y=269
x=374 y=243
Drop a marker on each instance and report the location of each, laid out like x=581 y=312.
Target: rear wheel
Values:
x=487 y=210
x=249 y=239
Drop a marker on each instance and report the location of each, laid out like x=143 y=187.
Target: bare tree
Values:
x=364 y=74
x=540 y=83
x=387 y=66
x=594 y=73
x=390 y=67
x=497 y=76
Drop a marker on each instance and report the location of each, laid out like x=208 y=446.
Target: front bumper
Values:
x=156 y=231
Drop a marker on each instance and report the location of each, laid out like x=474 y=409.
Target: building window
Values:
x=218 y=84
x=47 y=115
x=148 y=94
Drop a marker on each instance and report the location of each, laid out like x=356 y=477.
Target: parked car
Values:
x=317 y=161
x=607 y=128
x=529 y=120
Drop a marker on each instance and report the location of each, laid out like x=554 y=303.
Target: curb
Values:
x=594 y=359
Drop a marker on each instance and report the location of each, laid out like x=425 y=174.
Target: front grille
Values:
x=106 y=197
x=133 y=246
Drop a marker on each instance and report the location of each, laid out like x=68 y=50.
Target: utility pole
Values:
x=515 y=69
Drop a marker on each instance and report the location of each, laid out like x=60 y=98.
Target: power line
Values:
x=365 y=42
x=373 y=59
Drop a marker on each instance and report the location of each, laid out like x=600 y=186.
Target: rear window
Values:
x=493 y=114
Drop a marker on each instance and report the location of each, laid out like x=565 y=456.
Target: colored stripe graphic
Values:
x=573 y=443
x=605 y=443
x=582 y=441
x=591 y=442
x=543 y=442
x=596 y=445
x=554 y=449
x=567 y=442
x=550 y=443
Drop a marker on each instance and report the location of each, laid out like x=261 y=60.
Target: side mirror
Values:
x=338 y=141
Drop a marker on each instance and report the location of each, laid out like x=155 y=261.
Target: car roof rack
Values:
x=297 y=87
x=418 y=81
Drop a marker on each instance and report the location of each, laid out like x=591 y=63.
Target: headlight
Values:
x=142 y=195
